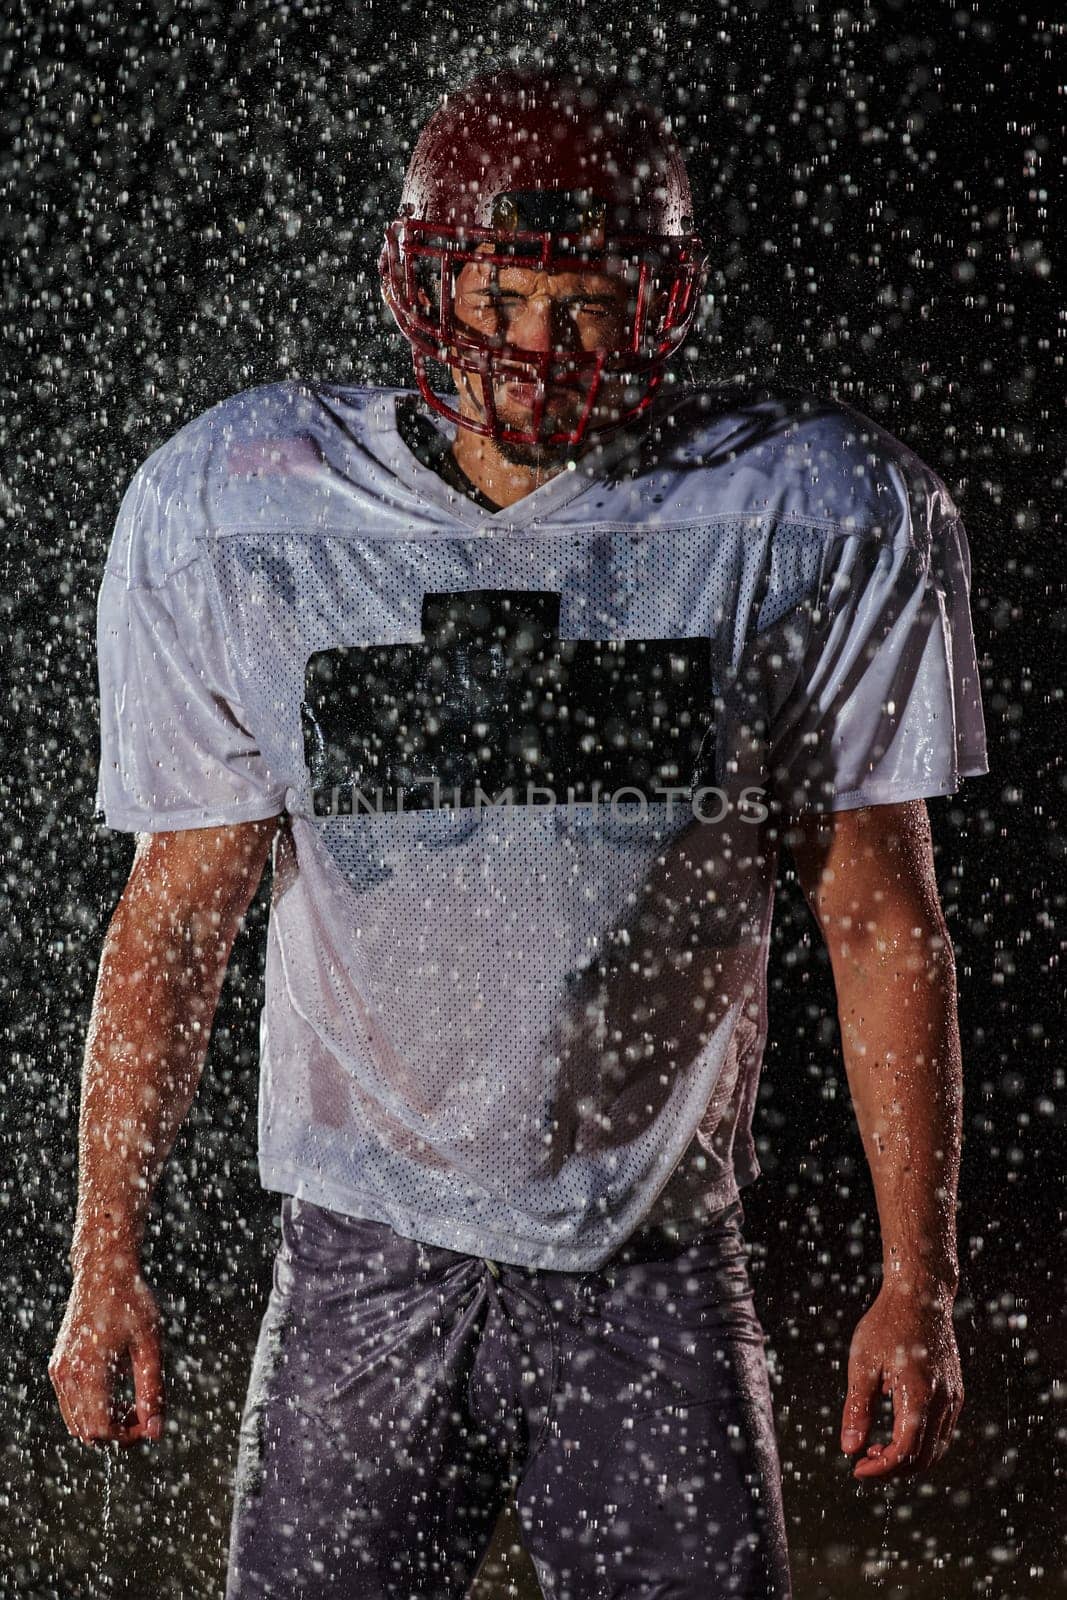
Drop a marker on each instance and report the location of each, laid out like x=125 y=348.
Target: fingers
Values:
x=148 y=1385
x=923 y=1426
x=68 y=1418
x=938 y=1432
x=83 y=1389
x=87 y=1399
x=938 y=1441
x=859 y=1407
x=902 y=1450
x=912 y=1358
x=947 y=1430
x=133 y=1429
x=88 y=1416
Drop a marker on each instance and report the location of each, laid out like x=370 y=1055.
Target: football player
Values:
x=523 y=677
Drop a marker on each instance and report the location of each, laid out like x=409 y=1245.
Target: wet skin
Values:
x=867 y=873
x=567 y=313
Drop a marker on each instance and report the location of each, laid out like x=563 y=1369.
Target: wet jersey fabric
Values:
x=529 y=765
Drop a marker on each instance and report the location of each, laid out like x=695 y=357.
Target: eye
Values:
x=595 y=308
x=496 y=299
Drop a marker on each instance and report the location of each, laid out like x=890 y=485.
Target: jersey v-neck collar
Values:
x=534 y=507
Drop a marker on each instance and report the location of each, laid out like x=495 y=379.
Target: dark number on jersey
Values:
x=493 y=700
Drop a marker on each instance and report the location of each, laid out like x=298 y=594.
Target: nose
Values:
x=545 y=325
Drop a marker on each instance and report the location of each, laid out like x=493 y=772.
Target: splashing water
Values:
x=106 y=1524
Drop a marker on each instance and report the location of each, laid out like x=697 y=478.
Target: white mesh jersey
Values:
x=529 y=764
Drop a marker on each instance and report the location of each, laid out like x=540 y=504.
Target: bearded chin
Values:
x=518 y=453
x=533 y=455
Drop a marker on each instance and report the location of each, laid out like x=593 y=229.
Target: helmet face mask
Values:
x=490 y=236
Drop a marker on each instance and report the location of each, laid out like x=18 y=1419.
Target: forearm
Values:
x=157 y=990
x=900 y=1037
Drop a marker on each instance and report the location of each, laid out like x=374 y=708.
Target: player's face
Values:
x=563 y=313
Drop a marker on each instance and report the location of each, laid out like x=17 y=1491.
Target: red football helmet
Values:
x=536 y=170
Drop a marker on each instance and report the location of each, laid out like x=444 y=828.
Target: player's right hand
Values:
x=111 y=1325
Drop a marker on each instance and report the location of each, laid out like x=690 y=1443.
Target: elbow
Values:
x=883 y=948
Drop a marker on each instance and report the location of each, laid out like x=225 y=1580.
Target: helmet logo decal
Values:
x=568 y=212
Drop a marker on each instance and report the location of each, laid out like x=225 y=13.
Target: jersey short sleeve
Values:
x=883 y=702
x=174 y=749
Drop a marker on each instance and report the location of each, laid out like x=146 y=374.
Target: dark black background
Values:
x=192 y=200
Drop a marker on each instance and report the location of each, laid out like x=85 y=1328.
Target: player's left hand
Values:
x=905 y=1346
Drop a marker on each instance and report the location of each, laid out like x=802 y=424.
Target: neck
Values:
x=499 y=479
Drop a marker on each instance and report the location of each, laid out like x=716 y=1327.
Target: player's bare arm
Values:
x=161 y=970
x=610 y=601
x=868 y=875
